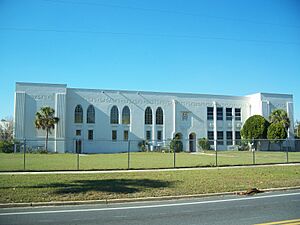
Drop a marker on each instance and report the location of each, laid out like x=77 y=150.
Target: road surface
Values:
x=223 y=210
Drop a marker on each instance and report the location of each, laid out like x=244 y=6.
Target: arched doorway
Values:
x=192 y=142
x=178 y=136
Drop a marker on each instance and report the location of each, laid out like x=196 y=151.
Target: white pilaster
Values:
x=60 y=112
x=19 y=118
x=215 y=125
x=233 y=126
x=174 y=116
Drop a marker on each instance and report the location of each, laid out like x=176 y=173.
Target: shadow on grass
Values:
x=117 y=186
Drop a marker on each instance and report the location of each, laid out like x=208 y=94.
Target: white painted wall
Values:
x=30 y=97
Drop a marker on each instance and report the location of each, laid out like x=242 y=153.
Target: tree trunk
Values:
x=46 y=144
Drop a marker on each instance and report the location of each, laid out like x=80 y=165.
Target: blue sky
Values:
x=211 y=47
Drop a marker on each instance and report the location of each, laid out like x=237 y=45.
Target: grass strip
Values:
x=69 y=187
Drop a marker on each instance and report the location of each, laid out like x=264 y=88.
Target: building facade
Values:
x=104 y=121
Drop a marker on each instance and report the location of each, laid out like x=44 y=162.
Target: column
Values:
x=60 y=112
x=233 y=126
x=19 y=118
x=215 y=125
x=290 y=113
x=174 y=116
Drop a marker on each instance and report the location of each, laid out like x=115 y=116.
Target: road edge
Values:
x=128 y=200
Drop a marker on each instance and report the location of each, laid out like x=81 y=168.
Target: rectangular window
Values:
x=148 y=135
x=159 y=135
x=228 y=113
x=220 y=137
x=125 y=135
x=78 y=132
x=90 y=134
x=229 y=137
x=210 y=137
x=238 y=114
x=114 y=135
x=237 y=137
x=219 y=113
x=210 y=113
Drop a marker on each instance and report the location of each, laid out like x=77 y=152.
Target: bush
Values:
x=176 y=145
x=6 y=146
x=143 y=146
x=203 y=144
x=243 y=146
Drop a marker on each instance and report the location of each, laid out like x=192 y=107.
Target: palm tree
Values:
x=280 y=116
x=45 y=120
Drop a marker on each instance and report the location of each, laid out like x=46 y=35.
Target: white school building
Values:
x=104 y=121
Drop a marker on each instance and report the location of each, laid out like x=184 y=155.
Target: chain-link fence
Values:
x=81 y=154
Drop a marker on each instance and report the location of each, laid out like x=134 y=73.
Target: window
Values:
x=238 y=114
x=159 y=116
x=229 y=137
x=159 y=135
x=238 y=137
x=78 y=132
x=126 y=115
x=228 y=113
x=78 y=114
x=114 y=115
x=114 y=135
x=210 y=137
x=184 y=116
x=90 y=116
x=148 y=135
x=219 y=113
x=148 y=115
x=210 y=113
x=90 y=134
x=125 y=135
x=220 y=137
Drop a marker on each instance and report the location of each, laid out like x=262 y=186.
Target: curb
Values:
x=128 y=200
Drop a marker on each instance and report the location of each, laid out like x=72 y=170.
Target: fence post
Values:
x=77 y=160
x=253 y=156
x=128 y=151
x=24 y=154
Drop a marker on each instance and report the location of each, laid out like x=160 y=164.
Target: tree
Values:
x=45 y=120
x=280 y=116
x=255 y=127
x=6 y=130
x=277 y=133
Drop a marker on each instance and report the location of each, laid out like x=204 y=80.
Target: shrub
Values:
x=176 y=145
x=6 y=146
x=143 y=145
x=203 y=144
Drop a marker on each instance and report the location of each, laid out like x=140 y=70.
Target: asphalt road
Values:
x=225 y=210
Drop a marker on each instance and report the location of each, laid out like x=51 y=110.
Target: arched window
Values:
x=159 y=116
x=78 y=118
x=90 y=116
x=126 y=115
x=148 y=115
x=114 y=115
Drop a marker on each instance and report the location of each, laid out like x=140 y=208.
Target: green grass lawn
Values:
x=139 y=160
x=66 y=187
